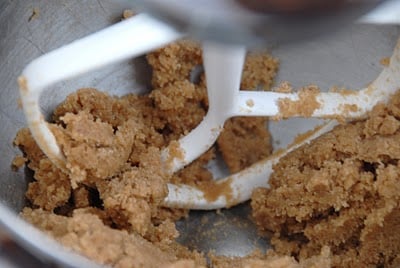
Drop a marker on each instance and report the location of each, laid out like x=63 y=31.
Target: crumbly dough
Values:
x=108 y=205
x=332 y=203
x=341 y=191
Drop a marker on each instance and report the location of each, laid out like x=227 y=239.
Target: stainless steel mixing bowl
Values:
x=348 y=58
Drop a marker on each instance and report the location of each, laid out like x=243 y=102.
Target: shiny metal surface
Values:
x=348 y=58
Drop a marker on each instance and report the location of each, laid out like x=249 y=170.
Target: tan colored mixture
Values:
x=341 y=191
x=334 y=202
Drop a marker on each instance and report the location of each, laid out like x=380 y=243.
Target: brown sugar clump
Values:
x=93 y=148
x=180 y=106
x=139 y=189
x=304 y=106
x=174 y=62
x=251 y=131
x=339 y=191
x=259 y=70
x=51 y=188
